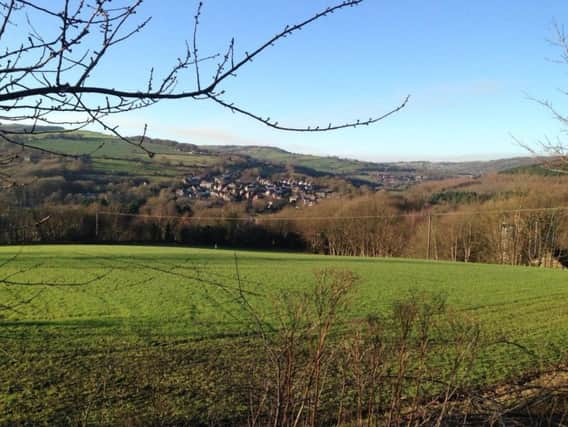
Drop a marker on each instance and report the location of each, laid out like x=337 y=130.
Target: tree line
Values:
x=511 y=227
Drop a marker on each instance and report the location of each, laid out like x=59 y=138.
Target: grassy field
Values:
x=191 y=292
x=150 y=297
x=111 y=156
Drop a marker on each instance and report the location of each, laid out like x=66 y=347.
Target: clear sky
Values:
x=468 y=65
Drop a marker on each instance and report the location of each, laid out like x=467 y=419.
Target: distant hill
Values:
x=110 y=156
x=15 y=127
x=553 y=167
x=337 y=165
x=324 y=164
x=478 y=167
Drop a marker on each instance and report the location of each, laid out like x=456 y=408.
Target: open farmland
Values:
x=142 y=309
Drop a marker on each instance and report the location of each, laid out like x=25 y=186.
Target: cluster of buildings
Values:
x=396 y=181
x=402 y=180
x=230 y=188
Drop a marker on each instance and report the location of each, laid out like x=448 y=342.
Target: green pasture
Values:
x=171 y=317
x=110 y=155
x=84 y=142
x=193 y=292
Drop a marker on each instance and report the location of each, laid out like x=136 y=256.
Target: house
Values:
x=206 y=184
x=192 y=180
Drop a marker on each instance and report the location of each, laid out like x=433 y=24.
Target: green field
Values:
x=186 y=298
x=114 y=157
x=191 y=292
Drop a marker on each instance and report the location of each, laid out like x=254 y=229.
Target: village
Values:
x=398 y=181
x=230 y=188
x=395 y=181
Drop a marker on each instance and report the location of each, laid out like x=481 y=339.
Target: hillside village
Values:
x=393 y=181
x=230 y=188
x=402 y=181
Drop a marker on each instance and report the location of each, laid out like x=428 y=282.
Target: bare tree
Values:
x=49 y=78
x=553 y=152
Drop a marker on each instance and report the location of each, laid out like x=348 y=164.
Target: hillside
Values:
x=327 y=164
x=477 y=167
x=106 y=158
x=337 y=165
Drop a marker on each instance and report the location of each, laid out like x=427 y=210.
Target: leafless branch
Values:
x=552 y=153
x=43 y=76
x=275 y=125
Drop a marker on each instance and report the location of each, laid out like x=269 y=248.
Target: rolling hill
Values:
x=113 y=157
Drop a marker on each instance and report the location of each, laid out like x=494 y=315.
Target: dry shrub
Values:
x=318 y=367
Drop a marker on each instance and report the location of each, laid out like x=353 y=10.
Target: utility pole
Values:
x=97 y=225
x=429 y=236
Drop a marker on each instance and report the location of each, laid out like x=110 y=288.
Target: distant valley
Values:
x=111 y=158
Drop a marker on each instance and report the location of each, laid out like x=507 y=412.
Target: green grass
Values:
x=168 y=289
x=84 y=142
x=112 y=156
x=165 y=302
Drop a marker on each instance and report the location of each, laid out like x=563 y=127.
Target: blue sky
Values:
x=468 y=67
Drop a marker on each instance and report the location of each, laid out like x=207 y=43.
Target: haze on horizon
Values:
x=469 y=68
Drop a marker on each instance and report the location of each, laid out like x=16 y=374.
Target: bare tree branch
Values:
x=552 y=153
x=45 y=76
x=275 y=125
